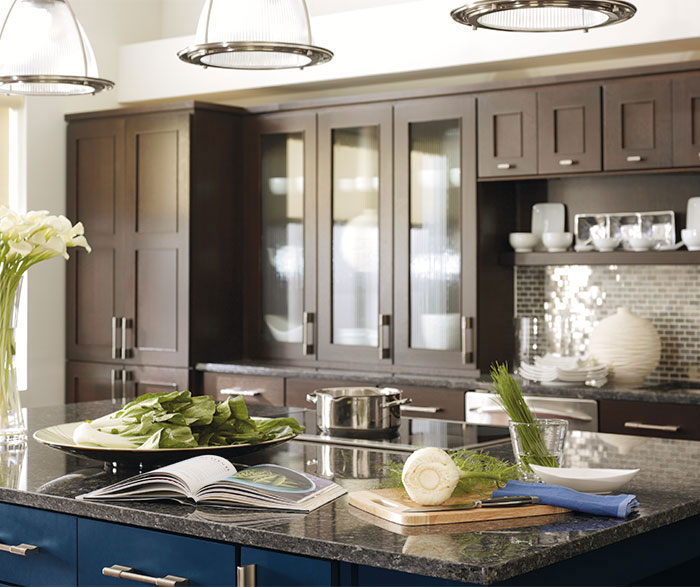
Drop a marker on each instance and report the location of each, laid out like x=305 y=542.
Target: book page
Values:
x=199 y=471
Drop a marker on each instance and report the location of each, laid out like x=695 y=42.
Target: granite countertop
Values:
x=667 y=488
x=673 y=392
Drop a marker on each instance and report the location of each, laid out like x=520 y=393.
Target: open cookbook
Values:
x=212 y=480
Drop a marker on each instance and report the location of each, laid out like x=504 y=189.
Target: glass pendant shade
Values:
x=540 y=16
x=44 y=51
x=254 y=34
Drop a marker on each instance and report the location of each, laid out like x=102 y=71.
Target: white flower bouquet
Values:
x=25 y=240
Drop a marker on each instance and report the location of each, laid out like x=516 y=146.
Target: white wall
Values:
x=108 y=24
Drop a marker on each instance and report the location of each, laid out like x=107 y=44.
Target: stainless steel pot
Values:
x=360 y=412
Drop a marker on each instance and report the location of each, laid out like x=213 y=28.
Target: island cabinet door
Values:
x=37 y=547
x=142 y=556
x=264 y=568
x=355 y=234
x=435 y=232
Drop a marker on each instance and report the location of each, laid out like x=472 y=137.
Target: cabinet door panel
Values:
x=255 y=389
x=157 y=246
x=686 y=122
x=154 y=554
x=55 y=563
x=355 y=234
x=87 y=382
x=508 y=134
x=435 y=229
x=647 y=419
x=276 y=568
x=95 y=284
x=157 y=380
x=442 y=404
x=637 y=117
x=569 y=135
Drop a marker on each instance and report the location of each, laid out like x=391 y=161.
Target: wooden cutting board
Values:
x=390 y=504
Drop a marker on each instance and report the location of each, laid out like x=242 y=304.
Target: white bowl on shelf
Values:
x=641 y=243
x=606 y=244
x=583 y=479
x=281 y=329
x=691 y=238
x=277 y=185
x=557 y=242
x=523 y=242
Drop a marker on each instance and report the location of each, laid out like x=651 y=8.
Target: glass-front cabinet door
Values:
x=435 y=232
x=355 y=234
x=285 y=148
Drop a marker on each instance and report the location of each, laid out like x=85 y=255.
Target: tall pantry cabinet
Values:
x=157 y=190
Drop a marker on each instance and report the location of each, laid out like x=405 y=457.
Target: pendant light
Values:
x=44 y=51
x=543 y=16
x=254 y=34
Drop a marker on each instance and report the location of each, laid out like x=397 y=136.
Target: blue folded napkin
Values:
x=619 y=506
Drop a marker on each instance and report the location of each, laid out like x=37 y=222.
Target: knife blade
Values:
x=516 y=500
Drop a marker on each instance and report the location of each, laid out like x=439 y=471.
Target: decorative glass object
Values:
x=13 y=428
x=44 y=51
x=538 y=444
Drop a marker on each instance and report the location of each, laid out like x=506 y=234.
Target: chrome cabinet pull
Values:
x=658 y=427
x=467 y=344
x=122 y=572
x=422 y=409
x=567 y=162
x=308 y=319
x=243 y=392
x=115 y=327
x=114 y=376
x=504 y=166
x=126 y=377
x=384 y=320
x=126 y=323
x=245 y=576
x=19 y=549
x=634 y=158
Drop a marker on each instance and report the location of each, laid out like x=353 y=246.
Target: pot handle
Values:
x=311 y=397
x=397 y=402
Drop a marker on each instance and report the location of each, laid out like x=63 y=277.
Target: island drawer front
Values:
x=277 y=568
x=150 y=553
x=650 y=419
x=296 y=390
x=428 y=402
x=259 y=390
x=54 y=534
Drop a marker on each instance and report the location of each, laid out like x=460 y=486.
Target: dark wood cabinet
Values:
x=686 y=121
x=157 y=192
x=569 y=129
x=120 y=383
x=427 y=402
x=650 y=419
x=637 y=123
x=255 y=389
x=507 y=136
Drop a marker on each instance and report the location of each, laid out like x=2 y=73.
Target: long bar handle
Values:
x=467 y=341
x=634 y=158
x=126 y=377
x=114 y=376
x=657 y=427
x=245 y=576
x=122 y=572
x=243 y=392
x=422 y=409
x=115 y=344
x=384 y=320
x=125 y=324
x=504 y=166
x=308 y=319
x=19 y=549
x=567 y=162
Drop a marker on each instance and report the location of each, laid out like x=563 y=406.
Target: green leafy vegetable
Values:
x=511 y=398
x=178 y=420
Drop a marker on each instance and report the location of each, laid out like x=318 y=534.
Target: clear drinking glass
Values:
x=530 y=339
x=534 y=443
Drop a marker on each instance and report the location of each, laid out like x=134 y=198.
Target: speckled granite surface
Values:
x=668 y=488
x=671 y=392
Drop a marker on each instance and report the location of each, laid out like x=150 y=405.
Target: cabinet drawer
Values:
x=154 y=554
x=428 y=402
x=296 y=390
x=650 y=419
x=276 y=568
x=54 y=534
x=268 y=391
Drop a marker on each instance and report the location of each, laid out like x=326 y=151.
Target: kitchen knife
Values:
x=493 y=502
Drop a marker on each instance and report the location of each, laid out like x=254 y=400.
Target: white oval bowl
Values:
x=583 y=479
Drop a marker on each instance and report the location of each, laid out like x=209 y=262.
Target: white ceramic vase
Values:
x=628 y=344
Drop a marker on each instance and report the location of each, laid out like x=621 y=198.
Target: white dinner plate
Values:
x=583 y=479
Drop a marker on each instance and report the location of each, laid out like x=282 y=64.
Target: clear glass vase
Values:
x=13 y=426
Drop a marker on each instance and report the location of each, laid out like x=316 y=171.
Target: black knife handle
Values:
x=510 y=500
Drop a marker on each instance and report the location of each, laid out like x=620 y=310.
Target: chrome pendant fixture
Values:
x=254 y=34
x=543 y=16
x=44 y=51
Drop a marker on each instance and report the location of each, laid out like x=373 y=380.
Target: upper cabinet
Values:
x=508 y=133
x=686 y=121
x=157 y=194
x=637 y=124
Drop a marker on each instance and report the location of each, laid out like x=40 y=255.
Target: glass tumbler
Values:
x=530 y=339
x=541 y=443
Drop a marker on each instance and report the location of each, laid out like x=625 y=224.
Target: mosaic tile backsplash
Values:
x=574 y=298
